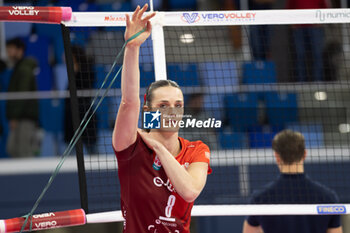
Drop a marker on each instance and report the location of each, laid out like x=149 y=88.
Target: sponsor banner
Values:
x=114 y=18
x=196 y=17
x=340 y=14
x=97 y=19
x=331 y=209
x=24 y=10
x=209 y=18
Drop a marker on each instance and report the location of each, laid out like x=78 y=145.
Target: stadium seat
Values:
x=184 y=74
x=146 y=52
x=281 y=108
x=218 y=74
x=241 y=110
x=215 y=105
x=42 y=2
x=54 y=34
x=116 y=6
x=4 y=81
x=258 y=72
x=102 y=112
x=13 y=30
x=146 y=75
x=233 y=140
x=78 y=5
x=261 y=136
x=51 y=110
x=101 y=72
x=313 y=133
x=60 y=77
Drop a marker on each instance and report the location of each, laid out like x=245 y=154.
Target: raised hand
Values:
x=136 y=24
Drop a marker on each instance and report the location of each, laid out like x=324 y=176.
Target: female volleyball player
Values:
x=160 y=173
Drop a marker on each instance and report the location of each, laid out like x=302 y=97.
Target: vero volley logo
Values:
x=331 y=209
x=190 y=18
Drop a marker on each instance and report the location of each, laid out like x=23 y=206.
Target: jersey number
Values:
x=170 y=205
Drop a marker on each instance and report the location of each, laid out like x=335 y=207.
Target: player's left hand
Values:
x=150 y=141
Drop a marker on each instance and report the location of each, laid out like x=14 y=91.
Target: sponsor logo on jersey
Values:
x=159 y=183
x=156 y=163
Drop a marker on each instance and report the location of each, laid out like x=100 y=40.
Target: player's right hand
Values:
x=136 y=24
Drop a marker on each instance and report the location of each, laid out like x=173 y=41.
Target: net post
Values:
x=159 y=47
x=75 y=117
x=151 y=5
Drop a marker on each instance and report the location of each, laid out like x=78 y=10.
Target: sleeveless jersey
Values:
x=149 y=202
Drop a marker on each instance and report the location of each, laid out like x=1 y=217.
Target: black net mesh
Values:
x=255 y=80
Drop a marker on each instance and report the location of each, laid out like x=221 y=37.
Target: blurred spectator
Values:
x=23 y=115
x=260 y=34
x=84 y=80
x=2 y=69
x=332 y=54
x=235 y=32
x=308 y=37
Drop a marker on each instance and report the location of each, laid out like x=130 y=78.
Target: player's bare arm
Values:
x=125 y=128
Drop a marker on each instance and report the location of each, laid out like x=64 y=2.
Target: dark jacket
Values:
x=2 y=69
x=23 y=79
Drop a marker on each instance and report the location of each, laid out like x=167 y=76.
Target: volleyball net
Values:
x=242 y=74
x=246 y=75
